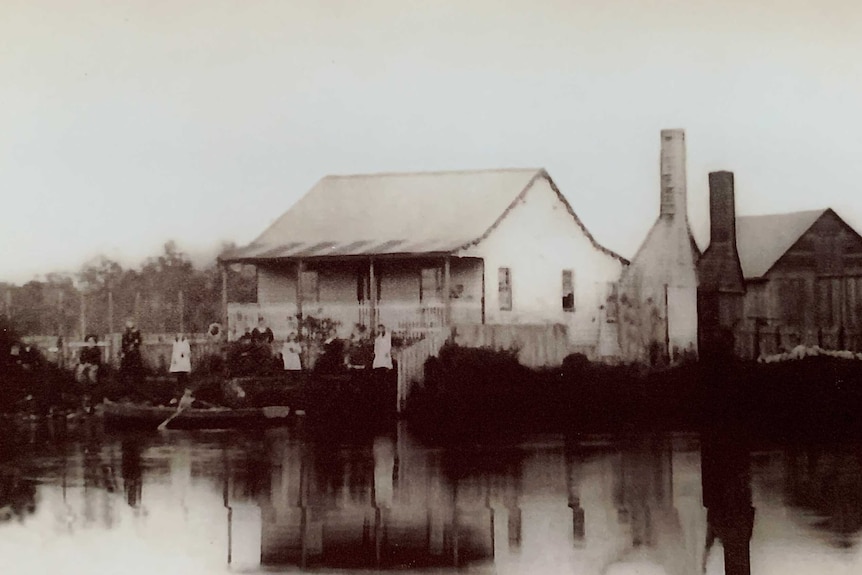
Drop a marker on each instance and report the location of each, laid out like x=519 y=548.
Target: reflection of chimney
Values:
x=722 y=216
x=673 y=190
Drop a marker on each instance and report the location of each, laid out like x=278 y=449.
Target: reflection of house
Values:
x=355 y=508
x=827 y=485
x=657 y=294
x=803 y=273
x=420 y=250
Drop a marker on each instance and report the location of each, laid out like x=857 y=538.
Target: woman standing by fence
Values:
x=181 y=359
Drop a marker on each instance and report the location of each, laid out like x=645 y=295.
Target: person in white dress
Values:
x=290 y=355
x=382 y=349
x=181 y=359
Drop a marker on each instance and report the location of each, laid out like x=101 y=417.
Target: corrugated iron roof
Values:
x=400 y=213
x=762 y=240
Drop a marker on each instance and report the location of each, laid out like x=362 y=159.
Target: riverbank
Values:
x=470 y=391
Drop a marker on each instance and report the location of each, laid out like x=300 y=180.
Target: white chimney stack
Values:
x=673 y=189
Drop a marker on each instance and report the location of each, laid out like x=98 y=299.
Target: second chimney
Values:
x=722 y=211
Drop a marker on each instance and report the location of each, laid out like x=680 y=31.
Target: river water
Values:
x=76 y=499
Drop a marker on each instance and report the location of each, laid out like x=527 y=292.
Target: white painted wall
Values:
x=537 y=240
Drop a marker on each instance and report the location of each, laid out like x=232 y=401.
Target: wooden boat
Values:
x=134 y=415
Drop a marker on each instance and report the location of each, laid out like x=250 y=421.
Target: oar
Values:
x=164 y=424
x=185 y=401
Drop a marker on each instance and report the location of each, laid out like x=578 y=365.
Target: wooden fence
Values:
x=750 y=341
x=411 y=363
x=538 y=346
x=155 y=350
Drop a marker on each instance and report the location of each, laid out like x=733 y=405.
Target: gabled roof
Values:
x=762 y=240
x=397 y=213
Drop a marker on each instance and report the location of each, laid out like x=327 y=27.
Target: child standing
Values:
x=181 y=359
x=290 y=356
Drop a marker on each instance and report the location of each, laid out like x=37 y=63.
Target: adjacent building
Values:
x=803 y=279
x=417 y=251
x=656 y=299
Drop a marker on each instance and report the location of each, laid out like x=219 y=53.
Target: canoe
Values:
x=133 y=415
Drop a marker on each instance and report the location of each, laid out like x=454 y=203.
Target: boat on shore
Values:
x=151 y=416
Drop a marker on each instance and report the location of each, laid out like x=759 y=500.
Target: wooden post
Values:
x=138 y=309
x=83 y=317
x=372 y=285
x=299 y=297
x=224 y=295
x=447 y=291
x=110 y=310
x=667 y=327
x=61 y=316
x=181 y=305
x=483 y=291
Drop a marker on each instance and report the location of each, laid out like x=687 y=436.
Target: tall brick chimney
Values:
x=721 y=286
x=722 y=213
x=673 y=190
x=718 y=268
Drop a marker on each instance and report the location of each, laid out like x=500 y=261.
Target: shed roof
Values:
x=762 y=240
x=398 y=213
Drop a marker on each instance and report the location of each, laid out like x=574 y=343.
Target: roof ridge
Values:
x=432 y=173
x=793 y=213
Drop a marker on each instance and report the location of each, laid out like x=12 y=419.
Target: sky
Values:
x=124 y=124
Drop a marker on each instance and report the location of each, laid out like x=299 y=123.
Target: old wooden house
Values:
x=803 y=279
x=416 y=251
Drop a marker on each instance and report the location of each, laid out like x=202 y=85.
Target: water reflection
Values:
x=384 y=505
x=726 y=477
x=279 y=500
x=828 y=486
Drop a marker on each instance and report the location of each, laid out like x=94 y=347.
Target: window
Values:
x=568 y=290
x=431 y=285
x=310 y=286
x=504 y=282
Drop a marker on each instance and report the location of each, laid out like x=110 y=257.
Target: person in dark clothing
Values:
x=262 y=333
x=130 y=353
x=89 y=363
x=332 y=359
x=359 y=353
x=29 y=358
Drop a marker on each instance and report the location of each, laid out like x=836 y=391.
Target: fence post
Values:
x=83 y=316
x=110 y=310
x=181 y=305
x=138 y=309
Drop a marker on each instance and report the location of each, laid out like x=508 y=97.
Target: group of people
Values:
x=338 y=354
x=131 y=362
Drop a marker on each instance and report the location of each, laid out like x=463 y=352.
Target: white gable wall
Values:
x=537 y=240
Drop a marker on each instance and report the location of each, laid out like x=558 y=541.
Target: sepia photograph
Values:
x=431 y=286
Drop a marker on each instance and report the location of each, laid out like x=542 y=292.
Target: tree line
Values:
x=165 y=294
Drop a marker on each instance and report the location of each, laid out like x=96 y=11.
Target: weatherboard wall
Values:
x=536 y=241
x=815 y=286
